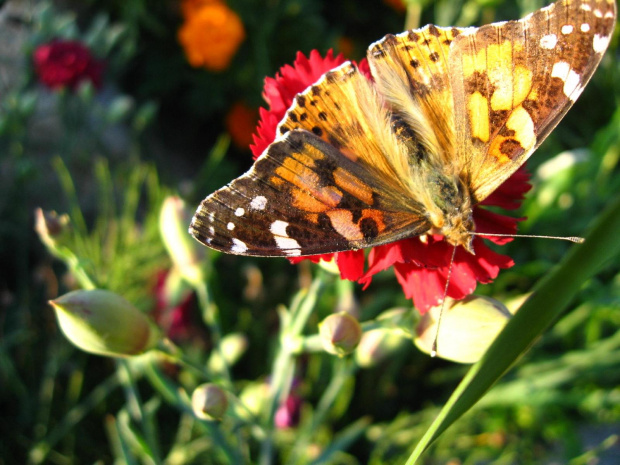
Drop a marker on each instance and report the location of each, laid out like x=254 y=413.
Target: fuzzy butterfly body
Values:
x=449 y=115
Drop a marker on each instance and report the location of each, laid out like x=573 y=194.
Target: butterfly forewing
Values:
x=514 y=81
x=303 y=197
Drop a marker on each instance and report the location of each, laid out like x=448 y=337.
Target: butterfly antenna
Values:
x=576 y=240
x=443 y=304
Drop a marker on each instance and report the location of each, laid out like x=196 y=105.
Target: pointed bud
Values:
x=340 y=333
x=209 y=402
x=184 y=251
x=468 y=327
x=51 y=228
x=102 y=322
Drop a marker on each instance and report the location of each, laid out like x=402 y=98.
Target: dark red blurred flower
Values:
x=174 y=313
x=420 y=263
x=240 y=122
x=66 y=63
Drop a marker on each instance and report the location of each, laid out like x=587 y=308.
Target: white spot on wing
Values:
x=258 y=203
x=278 y=228
x=289 y=245
x=586 y=7
x=212 y=217
x=585 y=27
x=549 y=41
x=567 y=29
x=238 y=246
x=598 y=13
x=239 y=212
x=230 y=226
x=571 y=79
x=600 y=43
x=212 y=230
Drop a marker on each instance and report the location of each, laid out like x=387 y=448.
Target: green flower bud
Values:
x=185 y=252
x=468 y=327
x=209 y=402
x=377 y=345
x=51 y=228
x=340 y=333
x=102 y=322
x=253 y=400
x=232 y=347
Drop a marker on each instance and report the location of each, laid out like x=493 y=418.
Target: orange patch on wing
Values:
x=312 y=217
x=353 y=185
x=316 y=201
x=342 y=222
x=276 y=181
x=376 y=216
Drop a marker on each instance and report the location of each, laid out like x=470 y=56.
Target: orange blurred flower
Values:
x=240 y=122
x=210 y=34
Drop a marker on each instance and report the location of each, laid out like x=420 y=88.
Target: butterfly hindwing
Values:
x=514 y=81
x=303 y=197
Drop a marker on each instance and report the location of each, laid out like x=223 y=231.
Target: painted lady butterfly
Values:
x=451 y=114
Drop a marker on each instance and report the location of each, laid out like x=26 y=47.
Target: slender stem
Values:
x=293 y=323
x=211 y=317
x=135 y=406
x=344 y=369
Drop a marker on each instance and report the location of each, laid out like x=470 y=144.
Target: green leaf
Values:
x=549 y=299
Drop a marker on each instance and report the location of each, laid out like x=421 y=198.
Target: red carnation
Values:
x=66 y=63
x=421 y=264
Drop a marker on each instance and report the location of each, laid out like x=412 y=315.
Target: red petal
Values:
x=510 y=194
x=350 y=264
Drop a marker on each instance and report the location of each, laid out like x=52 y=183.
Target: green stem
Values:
x=211 y=317
x=283 y=369
x=135 y=406
x=344 y=369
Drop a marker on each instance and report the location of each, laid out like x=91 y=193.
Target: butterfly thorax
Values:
x=451 y=212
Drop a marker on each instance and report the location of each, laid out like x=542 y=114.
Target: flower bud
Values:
x=468 y=327
x=340 y=333
x=253 y=399
x=102 y=322
x=51 y=228
x=377 y=345
x=232 y=347
x=209 y=402
x=184 y=251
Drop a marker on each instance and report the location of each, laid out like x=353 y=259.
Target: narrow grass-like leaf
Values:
x=550 y=297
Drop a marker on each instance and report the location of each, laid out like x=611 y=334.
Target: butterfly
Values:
x=448 y=116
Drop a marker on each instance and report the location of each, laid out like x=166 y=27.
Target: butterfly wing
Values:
x=304 y=197
x=514 y=81
x=412 y=72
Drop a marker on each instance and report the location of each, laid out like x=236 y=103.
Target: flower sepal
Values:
x=468 y=327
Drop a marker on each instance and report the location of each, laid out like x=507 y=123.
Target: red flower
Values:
x=66 y=63
x=421 y=264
